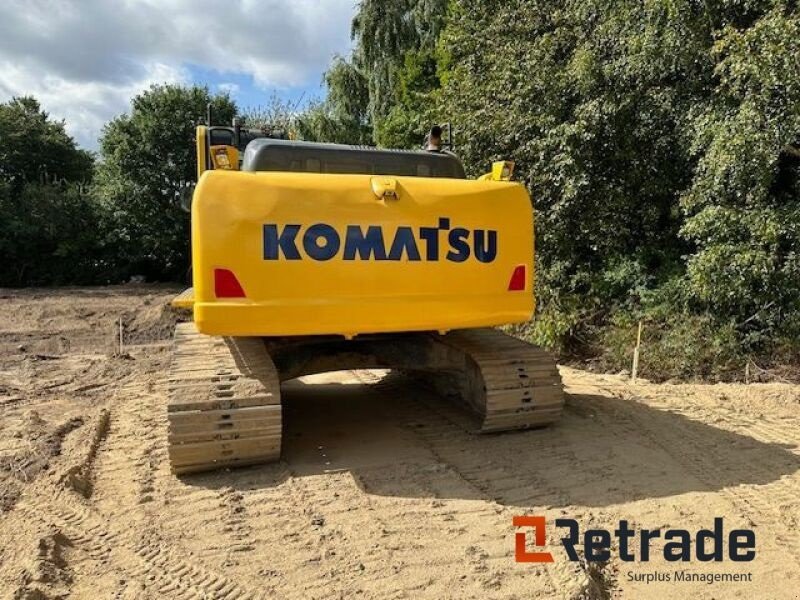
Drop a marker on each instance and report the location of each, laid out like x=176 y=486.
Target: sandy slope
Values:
x=381 y=492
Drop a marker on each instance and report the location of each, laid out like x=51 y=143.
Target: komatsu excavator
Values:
x=310 y=257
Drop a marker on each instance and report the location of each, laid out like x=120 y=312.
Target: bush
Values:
x=674 y=346
x=53 y=235
x=661 y=145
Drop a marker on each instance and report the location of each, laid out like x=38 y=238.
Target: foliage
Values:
x=276 y=115
x=147 y=156
x=36 y=149
x=48 y=222
x=343 y=116
x=417 y=105
x=743 y=207
x=52 y=235
x=658 y=140
x=395 y=51
x=694 y=347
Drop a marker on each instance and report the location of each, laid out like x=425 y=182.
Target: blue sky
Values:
x=85 y=59
x=247 y=93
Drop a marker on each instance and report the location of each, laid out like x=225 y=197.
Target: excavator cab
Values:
x=222 y=148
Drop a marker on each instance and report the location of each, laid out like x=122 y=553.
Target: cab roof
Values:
x=313 y=157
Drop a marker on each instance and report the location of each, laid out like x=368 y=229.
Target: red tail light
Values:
x=226 y=285
x=517 y=281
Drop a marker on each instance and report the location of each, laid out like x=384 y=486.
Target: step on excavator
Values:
x=311 y=257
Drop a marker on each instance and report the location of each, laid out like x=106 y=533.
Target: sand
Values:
x=381 y=492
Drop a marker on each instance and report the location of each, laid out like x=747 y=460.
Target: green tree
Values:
x=417 y=105
x=147 y=156
x=591 y=108
x=743 y=207
x=395 y=45
x=660 y=141
x=50 y=226
x=53 y=235
x=276 y=115
x=386 y=92
x=34 y=148
x=343 y=116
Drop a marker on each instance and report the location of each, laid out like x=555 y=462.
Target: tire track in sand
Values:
x=127 y=543
x=703 y=459
x=445 y=431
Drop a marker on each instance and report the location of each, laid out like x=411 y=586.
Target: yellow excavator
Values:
x=311 y=257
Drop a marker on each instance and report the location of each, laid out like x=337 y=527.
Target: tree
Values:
x=36 y=149
x=343 y=116
x=743 y=207
x=277 y=115
x=660 y=141
x=417 y=106
x=49 y=223
x=394 y=50
x=53 y=235
x=147 y=156
x=591 y=109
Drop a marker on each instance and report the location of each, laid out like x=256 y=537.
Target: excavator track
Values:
x=224 y=405
x=509 y=383
x=224 y=393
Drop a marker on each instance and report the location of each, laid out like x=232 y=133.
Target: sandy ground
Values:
x=381 y=492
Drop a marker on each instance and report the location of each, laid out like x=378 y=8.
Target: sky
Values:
x=85 y=59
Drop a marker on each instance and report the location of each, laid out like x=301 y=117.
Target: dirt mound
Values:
x=72 y=320
x=153 y=322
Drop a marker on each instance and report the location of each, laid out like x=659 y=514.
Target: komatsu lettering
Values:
x=373 y=242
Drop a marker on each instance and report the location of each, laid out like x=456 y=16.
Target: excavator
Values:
x=315 y=257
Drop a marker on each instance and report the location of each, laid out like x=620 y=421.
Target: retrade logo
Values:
x=739 y=545
x=322 y=241
x=521 y=552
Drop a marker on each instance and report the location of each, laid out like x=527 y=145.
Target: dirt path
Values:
x=381 y=492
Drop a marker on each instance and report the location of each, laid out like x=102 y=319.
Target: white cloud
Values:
x=84 y=59
x=226 y=86
x=85 y=105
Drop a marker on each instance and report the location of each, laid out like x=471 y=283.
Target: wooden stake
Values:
x=120 y=336
x=635 y=365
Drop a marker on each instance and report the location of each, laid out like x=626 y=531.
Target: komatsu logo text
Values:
x=374 y=242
